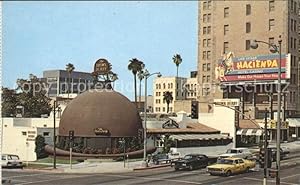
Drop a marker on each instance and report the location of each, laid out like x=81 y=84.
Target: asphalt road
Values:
x=163 y=176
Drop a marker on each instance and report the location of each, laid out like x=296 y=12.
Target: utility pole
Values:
x=265 y=148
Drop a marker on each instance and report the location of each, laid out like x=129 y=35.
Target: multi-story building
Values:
x=59 y=83
x=229 y=26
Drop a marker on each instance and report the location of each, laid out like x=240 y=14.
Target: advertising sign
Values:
x=227 y=102
x=252 y=69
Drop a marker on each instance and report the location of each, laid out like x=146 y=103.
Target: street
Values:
x=167 y=175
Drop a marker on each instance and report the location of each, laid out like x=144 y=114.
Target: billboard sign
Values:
x=252 y=69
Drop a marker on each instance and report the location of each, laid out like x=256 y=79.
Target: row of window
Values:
x=294 y=7
x=206 y=30
x=206 y=67
x=206 y=55
x=170 y=86
x=205 y=78
x=191 y=86
x=293 y=25
x=293 y=43
x=206 y=43
x=158 y=101
x=157 y=109
x=207 y=18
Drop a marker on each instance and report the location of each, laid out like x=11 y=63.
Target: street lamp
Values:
x=146 y=75
x=58 y=109
x=275 y=49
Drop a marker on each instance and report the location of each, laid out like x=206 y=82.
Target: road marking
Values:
x=156 y=179
x=49 y=180
x=290 y=176
x=255 y=179
x=30 y=175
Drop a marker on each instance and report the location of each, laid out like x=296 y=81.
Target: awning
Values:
x=294 y=122
x=181 y=137
x=249 y=132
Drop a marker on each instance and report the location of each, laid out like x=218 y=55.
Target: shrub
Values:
x=40 y=147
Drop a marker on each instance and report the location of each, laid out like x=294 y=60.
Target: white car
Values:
x=238 y=153
x=10 y=160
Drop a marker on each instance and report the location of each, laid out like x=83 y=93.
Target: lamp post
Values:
x=55 y=108
x=146 y=76
x=275 y=49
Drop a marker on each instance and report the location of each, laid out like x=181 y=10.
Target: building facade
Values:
x=59 y=83
x=220 y=32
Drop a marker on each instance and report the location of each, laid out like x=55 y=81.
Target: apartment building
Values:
x=227 y=27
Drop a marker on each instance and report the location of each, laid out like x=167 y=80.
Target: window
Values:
x=208 y=17
x=226 y=29
x=208 y=67
x=164 y=109
x=203 y=79
x=204 y=67
x=247 y=44
x=292 y=24
x=292 y=42
x=295 y=43
x=208 y=55
x=226 y=12
x=204 y=5
x=295 y=25
x=204 y=17
x=271 y=5
x=204 y=43
x=271 y=24
x=248 y=9
x=208 y=42
x=248 y=27
x=204 y=55
x=208 y=5
x=46 y=134
x=208 y=29
x=24 y=133
x=295 y=7
x=207 y=78
x=204 y=30
x=271 y=40
x=225 y=47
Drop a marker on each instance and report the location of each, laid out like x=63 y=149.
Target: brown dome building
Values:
x=99 y=119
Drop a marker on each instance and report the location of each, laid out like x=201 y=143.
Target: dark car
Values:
x=191 y=162
x=160 y=158
x=283 y=153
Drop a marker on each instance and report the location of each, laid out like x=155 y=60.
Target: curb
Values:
x=151 y=167
x=45 y=170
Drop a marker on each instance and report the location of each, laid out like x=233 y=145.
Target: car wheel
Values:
x=247 y=169
x=211 y=174
x=228 y=173
x=176 y=169
x=191 y=167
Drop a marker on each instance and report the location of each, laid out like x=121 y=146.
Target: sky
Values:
x=40 y=36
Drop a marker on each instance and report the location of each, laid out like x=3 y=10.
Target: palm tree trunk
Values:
x=135 y=96
x=69 y=84
x=177 y=71
x=140 y=95
x=167 y=108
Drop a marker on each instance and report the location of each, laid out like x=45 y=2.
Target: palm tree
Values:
x=135 y=66
x=69 y=68
x=168 y=97
x=141 y=77
x=177 y=61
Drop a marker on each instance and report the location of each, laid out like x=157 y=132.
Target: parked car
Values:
x=283 y=153
x=237 y=152
x=174 y=155
x=229 y=166
x=191 y=162
x=10 y=160
x=160 y=158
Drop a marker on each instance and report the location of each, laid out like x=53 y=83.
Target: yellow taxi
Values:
x=229 y=166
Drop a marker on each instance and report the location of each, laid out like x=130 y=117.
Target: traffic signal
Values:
x=262 y=160
x=71 y=135
x=194 y=110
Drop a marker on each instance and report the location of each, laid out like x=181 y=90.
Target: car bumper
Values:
x=181 y=166
x=215 y=172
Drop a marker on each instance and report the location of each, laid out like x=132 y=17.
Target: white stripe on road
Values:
x=290 y=176
x=30 y=175
x=155 y=179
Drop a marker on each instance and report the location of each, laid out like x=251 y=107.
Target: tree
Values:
x=40 y=147
x=168 y=98
x=30 y=94
x=69 y=68
x=177 y=61
x=141 y=77
x=135 y=66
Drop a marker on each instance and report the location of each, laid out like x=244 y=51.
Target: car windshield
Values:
x=13 y=157
x=187 y=157
x=224 y=161
x=231 y=151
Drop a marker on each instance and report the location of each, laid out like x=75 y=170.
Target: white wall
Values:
x=222 y=119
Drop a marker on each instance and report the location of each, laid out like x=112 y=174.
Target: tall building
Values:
x=58 y=82
x=227 y=28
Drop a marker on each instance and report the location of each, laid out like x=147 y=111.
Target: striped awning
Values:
x=181 y=137
x=249 y=132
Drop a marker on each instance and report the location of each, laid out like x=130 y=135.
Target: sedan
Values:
x=191 y=162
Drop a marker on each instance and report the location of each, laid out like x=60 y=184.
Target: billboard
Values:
x=252 y=69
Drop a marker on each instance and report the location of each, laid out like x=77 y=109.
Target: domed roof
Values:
x=100 y=113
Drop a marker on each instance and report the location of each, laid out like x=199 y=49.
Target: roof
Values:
x=246 y=123
x=191 y=128
x=199 y=137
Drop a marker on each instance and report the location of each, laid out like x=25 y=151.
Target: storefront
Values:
x=294 y=128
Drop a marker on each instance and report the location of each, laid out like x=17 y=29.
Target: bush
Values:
x=40 y=147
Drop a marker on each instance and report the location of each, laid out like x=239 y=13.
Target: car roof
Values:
x=232 y=158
